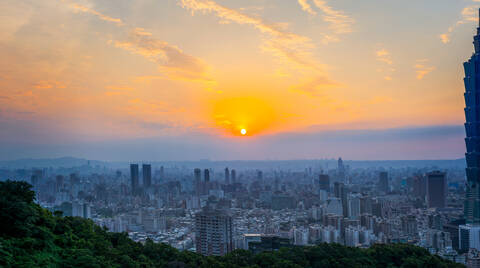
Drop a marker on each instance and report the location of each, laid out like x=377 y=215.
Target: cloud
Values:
x=314 y=87
x=422 y=69
x=384 y=56
x=469 y=14
x=285 y=45
x=339 y=23
x=85 y=9
x=306 y=7
x=171 y=60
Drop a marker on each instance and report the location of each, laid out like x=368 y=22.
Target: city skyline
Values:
x=179 y=80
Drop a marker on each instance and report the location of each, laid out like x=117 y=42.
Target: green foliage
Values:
x=31 y=236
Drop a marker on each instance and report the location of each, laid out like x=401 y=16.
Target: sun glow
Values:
x=236 y=115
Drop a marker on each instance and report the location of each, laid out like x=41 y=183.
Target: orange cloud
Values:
x=286 y=45
x=422 y=69
x=469 y=14
x=340 y=23
x=84 y=9
x=171 y=59
x=306 y=7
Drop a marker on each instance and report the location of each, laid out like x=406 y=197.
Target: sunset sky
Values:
x=179 y=79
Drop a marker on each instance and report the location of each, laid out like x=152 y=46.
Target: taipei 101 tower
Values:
x=469 y=234
x=472 y=128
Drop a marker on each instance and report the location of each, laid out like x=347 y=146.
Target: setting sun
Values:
x=234 y=115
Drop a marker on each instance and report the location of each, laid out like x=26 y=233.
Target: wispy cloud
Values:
x=422 y=68
x=469 y=14
x=292 y=49
x=286 y=45
x=85 y=9
x=171 y=60
x=384 y=56
x=339 y=23
x=314 y=87
x=306 y=7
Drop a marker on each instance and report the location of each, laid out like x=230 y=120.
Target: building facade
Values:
x=213 y=232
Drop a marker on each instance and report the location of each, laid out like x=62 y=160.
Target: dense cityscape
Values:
x=214 y=210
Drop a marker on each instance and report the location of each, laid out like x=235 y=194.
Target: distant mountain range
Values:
x=65 y=162
x=69 y=162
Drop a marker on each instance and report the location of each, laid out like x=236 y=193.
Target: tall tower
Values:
x=340 y=170
x=472 y=129
x=227 y=176
x=134 y=177
x=324 y=182
x=436 y=189
x=383 y=182
x=147 y=175
x=233 y=176
x=198 y=181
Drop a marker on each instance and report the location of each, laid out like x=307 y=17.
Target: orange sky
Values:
x=92 y=70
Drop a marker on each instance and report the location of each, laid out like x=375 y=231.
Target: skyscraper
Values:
x=233 y=176
x=147 y=175
x=383 y=182
x=206 y=182
x=470 y=232
x=198 y=181
x=472 y=129
x=436 y=189
x=227 y=176
x=340 y=191
x=324 y=182
x=134 y=177
x=213 y=232
x=341 y=170
x=206 y=175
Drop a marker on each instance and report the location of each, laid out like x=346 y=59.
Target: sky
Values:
x=180 y=79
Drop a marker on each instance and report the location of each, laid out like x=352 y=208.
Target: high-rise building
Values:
x=147 y=175
x=134 y=177
x=353 y=202
x=213 y=232
x=259 y=175
x=324 y=182
x=162 y=174
x=472 y=129
x=198 y=181
x=206 y=175
x=233 y=176
x=341 y=170
x=59 y=181
x=340 y=191
x=383 y=182
x=420 y=186
x=227 y=176
x=436 y=189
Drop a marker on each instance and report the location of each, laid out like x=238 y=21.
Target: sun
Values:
x=243 y=131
